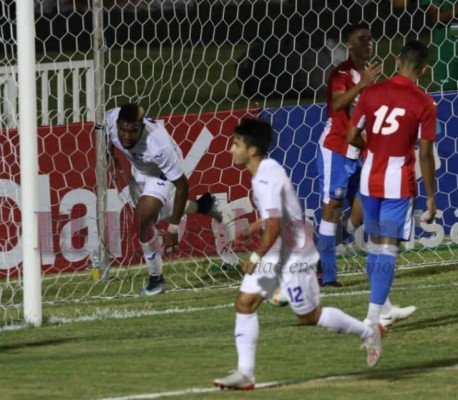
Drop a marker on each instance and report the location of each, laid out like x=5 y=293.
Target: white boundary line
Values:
x=107 y=313
x=356 y=376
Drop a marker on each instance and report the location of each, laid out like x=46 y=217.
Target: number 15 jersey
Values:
x=394 y=113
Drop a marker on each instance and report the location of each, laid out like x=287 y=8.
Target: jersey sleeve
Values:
x=428 y=122
x=338 y=81
x=167 y=158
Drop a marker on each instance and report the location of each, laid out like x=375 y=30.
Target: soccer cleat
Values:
x=373 y=345
x=278 y=299
x=235 y=381
x=396 y=314
x=207 y=205
x=319 y=276
x=156 y=285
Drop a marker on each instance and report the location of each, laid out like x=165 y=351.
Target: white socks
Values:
x=387 y=307
x=336 y=320
x=246 y=338
x=373 y=313
x=153 y=259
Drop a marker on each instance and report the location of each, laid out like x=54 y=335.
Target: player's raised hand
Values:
x=370 y=74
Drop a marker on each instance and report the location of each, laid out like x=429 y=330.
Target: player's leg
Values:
x=156 y=192
x=400 y=211
x=335 y=171
x=355 y=219
x=303 y=291
x=253 y=290
x=387 y=222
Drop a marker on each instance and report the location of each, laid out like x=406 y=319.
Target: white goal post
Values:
x=197 y=66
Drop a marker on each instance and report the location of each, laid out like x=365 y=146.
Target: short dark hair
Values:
x=255 y=133
x=414 y=54
x=131 y=112
x=350 y=29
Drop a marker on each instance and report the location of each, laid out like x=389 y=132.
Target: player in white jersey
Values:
x=159 y=187
x=285 y=256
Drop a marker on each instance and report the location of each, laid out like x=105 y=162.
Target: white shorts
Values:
x=298 y=282
x=161 y=189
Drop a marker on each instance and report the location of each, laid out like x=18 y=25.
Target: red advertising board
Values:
x=67 y=202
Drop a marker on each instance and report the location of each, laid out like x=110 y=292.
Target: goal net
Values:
x=197 y=66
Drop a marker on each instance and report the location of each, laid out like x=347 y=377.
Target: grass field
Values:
x=171 y=345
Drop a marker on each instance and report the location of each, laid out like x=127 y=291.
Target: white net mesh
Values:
x=202 y=65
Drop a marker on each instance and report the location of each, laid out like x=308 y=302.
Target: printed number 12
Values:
x=295 y=294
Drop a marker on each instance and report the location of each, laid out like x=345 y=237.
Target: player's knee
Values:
x=310 y=318
x=247 y=304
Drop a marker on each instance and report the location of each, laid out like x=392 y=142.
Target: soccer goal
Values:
x=198 y=66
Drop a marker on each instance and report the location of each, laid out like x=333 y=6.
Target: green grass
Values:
x=113 y=357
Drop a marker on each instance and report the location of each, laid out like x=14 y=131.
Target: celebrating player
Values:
x=158 y=189
x=338 y=162
x=286 y=256
x=394 y=114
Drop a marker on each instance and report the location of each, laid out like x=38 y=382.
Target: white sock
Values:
x=350 y=227
x=387 y=307
x=373 y=313
x=336 y=320
x=246 y=338
x=153 y=259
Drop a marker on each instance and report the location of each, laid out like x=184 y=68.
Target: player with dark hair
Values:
x=394 y=114
x=158 y=188
x=285 y=256
x=338 y=162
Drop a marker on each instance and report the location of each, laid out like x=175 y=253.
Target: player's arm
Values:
x=428 y=171
x=254 y=229
x=170 y=238
x=270 y=233
x=181 y=197
x=343 y=99
x=355 y=137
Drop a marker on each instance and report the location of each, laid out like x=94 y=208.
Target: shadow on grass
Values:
x=389 y=374
x=425 y=271
x=448 y=319
x=23 y=345
x=405 y=372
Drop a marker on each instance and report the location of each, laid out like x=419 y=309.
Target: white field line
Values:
x=313 y=381
x=107 y=313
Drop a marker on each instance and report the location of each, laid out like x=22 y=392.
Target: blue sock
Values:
x=382 y=278
x=327 y=248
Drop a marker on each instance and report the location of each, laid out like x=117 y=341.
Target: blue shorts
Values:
x=391 y=218
x=339 y=175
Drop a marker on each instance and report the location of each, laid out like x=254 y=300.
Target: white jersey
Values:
x=274 y=196
x=155 y=154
